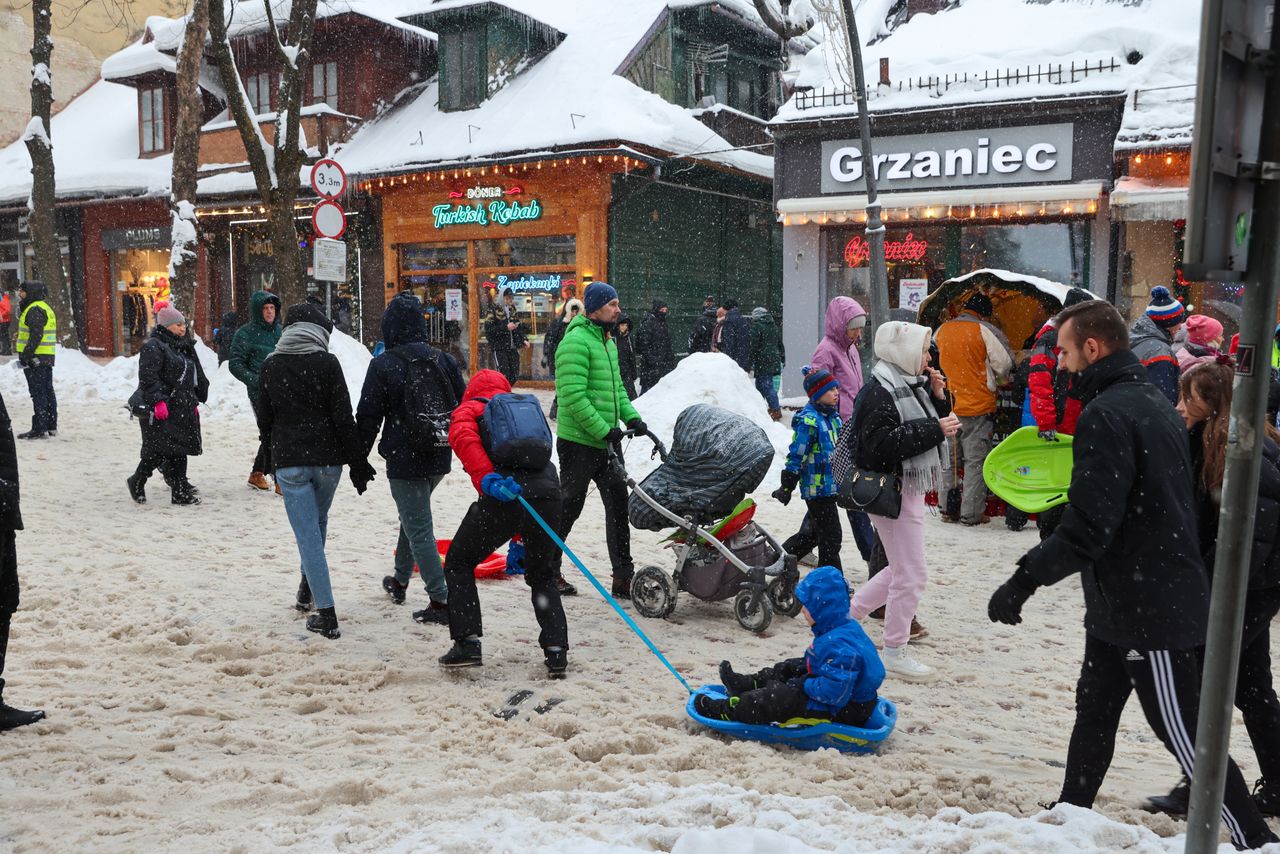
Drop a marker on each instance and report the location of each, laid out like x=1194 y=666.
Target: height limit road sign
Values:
x=328 y=179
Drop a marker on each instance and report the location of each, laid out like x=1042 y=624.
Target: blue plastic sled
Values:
x=806 y=733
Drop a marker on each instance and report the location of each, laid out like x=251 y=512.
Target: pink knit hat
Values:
x=1202 y=329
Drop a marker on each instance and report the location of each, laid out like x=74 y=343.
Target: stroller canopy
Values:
x=716 y=458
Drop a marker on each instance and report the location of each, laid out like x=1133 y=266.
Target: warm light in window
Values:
x=786 y=219
x=1066 y=209
x=996 y=213
x=1138 y=159
x=928 y=212
x=1168 y=160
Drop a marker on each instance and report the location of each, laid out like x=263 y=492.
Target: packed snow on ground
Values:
x=190 y=710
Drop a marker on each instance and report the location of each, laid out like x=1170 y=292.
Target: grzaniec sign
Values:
x=907 y=249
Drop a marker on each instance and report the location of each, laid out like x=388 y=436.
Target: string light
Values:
x=1168 y=160
x=1138 y=159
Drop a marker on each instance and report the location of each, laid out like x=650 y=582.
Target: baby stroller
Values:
x=716 y=458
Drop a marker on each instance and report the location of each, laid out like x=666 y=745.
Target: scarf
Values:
x=301 y=338
x=923 y=472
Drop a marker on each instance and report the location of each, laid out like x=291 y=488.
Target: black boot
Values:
x=11 y=718
x=394 y=589
x=324 y=622
x=1174 y=803
x=621 y=588
x=735 y=683
x=303 y=601
x=557 y=661
x=181 y=493
x=565 y=588
x=716 y=708
x=463 y=653
x=436 y=612
x=1266 y=795
x=137 y=487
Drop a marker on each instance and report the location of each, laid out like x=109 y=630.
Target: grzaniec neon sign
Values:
x=907 y=249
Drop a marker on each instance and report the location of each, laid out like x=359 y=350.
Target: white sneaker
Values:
x=899 y=662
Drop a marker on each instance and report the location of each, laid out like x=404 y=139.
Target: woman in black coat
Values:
x=171 y=386
x=627 y=357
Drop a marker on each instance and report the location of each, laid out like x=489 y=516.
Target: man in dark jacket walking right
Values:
x=418 y=456
x=705 y=327
x=735 y=335
x=653 y=347
x=250 y=347
x=1130 y=530
x=10 y=524
x=506 y=335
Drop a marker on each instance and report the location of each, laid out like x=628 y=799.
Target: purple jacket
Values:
x=837 y=355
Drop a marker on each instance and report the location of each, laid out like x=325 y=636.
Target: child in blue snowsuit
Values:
x=816 y=431
x=837 y=678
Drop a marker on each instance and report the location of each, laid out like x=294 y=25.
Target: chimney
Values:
x=884 y=71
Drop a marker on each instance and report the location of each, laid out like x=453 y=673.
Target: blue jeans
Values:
x=308 y=494
x=413 y=503
x=764 y=385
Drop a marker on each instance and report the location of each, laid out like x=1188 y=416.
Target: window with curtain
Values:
x=462 y=69
x=258 y=89
x=152 y=123
x=324 y=84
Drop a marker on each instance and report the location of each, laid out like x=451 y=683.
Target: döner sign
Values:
x=968 y=158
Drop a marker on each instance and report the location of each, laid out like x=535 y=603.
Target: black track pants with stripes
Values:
x=1168 y=686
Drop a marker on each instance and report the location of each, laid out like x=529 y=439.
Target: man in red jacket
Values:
x=1052 y=406
x=493 y=519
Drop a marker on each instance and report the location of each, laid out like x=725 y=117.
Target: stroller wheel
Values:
x=653 y=592
x=753 y=621
x=782 y=595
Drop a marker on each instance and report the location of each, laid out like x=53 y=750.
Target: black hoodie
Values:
x=1130 y=528
x=404 y=332
x=654 y=352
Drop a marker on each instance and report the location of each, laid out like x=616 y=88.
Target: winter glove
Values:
x=635 y=425
x=783 y=496
x=502 y=488
x=1006 y=603
x=783 y=492
x=613 y=437
x=361 y=474
x=1049 y=435
x=161 y=411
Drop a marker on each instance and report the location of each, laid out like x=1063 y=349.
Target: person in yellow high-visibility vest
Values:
x=37 y=337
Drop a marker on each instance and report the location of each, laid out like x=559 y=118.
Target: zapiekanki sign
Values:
x=497 y=212
x=988 y=157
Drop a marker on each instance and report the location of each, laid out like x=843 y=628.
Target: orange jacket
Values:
x=6 y=309
x=974 y=360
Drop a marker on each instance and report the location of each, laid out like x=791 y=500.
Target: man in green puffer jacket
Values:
x=592 y=402
x=250 y=347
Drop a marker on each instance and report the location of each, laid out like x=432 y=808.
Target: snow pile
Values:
x=711 y=378
x=79 y=379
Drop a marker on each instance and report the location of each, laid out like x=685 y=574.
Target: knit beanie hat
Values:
x=597 y=296
x=168 y=316
x=1202 y=329
x=980 y=303
x=307 y=313
x=817 y=382
x=1075 y=296
x=1165 y=309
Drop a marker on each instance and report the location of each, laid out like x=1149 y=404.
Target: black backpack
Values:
x=429 y=402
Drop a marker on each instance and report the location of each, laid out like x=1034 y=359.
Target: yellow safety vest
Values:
x=50 y=336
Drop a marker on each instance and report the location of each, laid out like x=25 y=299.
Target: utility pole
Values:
x=1230 y=159
x=878 y=287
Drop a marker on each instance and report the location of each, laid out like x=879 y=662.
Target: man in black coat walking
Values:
x=653 y=347
x=735 y=336
x=507 y=336
x=1130 y=530
x=705 y=327
x=10 y=524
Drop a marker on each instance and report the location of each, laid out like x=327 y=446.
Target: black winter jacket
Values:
x=879 y=440
x=704 y=329
x=382 y=399
x=1130 y=528
x=1264 y=560
x=735 y=339
x=10 y=514
x=626 y=353
x=169 y=370
x=304 y=411
x=654 y=356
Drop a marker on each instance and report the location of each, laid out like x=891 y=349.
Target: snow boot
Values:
x=182 y=496
x=258 y=480
x=303 y=600
x=565 y=588
x=33 y=434
x=1266 y=795
x=621 y=588
x=394 y=589
x=557 y=661
x=1177 y=801
x=735 y=683
x=463 y=653
x=137 y=487
x=716 y=708
x=900 y=663
x=324 y=622
x=436 y=612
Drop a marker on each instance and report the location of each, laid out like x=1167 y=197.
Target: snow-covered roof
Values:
x=999 y=36
x=95 y=150
x=249 y=16
x=137 y=59
x=569 y=98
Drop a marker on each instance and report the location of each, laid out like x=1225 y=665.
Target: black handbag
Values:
x=877 y=493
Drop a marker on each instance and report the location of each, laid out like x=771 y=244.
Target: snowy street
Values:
x=188 y=708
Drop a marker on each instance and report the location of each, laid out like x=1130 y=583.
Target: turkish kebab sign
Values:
x=485 y=205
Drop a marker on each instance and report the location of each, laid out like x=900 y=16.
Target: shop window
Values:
x=462 y=68
x=152 y=120
x=324 y=84
x=559 y=250
x=434 y=256
x=446 y=327
x=141 y=277
x=257 y=88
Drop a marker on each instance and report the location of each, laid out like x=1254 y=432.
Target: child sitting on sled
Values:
x=837 y=678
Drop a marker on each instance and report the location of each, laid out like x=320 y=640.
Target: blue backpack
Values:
x=515 y=432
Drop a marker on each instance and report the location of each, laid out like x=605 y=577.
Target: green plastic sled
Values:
x=1028 y=472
